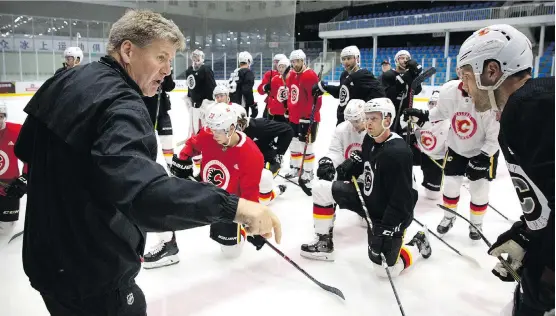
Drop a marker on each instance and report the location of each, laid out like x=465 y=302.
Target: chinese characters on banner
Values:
x=49 y=44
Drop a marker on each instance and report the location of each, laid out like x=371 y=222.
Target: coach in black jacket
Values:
x=94 y=187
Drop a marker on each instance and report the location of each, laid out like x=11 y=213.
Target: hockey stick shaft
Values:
x=290 y=180
x=392 y=283
x=490 y=206
x=323 y=286
x=15 y=236
x=502 y=260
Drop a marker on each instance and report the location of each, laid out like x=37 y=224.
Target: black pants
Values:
x=127 y=301
x=278 y=118
x=456 y=165
x=432 y=173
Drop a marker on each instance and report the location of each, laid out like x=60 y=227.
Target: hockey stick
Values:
x=157 y=108
x=290 y=180
x=491 y=206
x=323 y=286
x=384 y=263
x=502 y=260
x=15 y=236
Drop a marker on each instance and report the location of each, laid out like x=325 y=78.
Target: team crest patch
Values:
x=282 y=94
x=428 y=140
x=216 y=173
x=352 y=147
x=191 y=82
x=294 y=94
x=130 y=299
x=344 y=95
x=4 y=162
x=464 y=125
x=368 y=180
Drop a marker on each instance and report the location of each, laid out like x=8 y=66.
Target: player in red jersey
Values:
x=265 y=87
x=14 y=184
x=278 y=95
x=300 y=83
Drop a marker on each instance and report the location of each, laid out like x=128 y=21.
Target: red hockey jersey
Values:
x=266 y=79
x=235 y=169
x=278 y=94
x=300 y=103
x=9 y=168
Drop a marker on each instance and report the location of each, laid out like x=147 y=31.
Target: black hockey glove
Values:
x=326 y=169
x=254 y=110
x=266 y=88
x=414 y=68
x=275 y=164
x=381 y=240
x=421 y=115
x=319 y=88
x=515 y=243
x=351 y=167
x=17 y=188
x=478 y=166
x=182 y=168
x=258 y=241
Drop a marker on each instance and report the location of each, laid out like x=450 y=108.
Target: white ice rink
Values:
x=263 y=283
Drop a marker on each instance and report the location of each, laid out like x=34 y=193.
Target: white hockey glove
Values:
x=188 y=102
x=514 y=243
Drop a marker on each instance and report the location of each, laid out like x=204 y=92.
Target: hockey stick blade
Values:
x=303 y=186
x=422 y=77
x=502 y=260
x=323 y=286
x=15 y=236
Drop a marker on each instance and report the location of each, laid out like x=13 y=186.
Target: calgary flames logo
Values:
x=483 y=31
x=369 y=175
x=190 y=81
x=4 y=162
x=216 y=173
x=350 y=148
x=464 y=125
x=428 y=140
x=282 y=94
x=344 y=95
x=294 y=94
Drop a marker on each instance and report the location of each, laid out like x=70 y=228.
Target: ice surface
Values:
x=261 y=282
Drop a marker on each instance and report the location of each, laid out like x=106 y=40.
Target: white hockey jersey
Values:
x=470 y=131
x=344 y=140
x=432 y=138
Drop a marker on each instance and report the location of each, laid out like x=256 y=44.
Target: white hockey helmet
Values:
x=503 y=43
x=383 y=105
x=401 y=52
x=220 y=89
x=220 y=117
x=245 y=57
x=74 y=52
x=242 y=119
x=351 y=51
x=433 y=100
x=279 y=57
x=298 y=54
x=355 y=110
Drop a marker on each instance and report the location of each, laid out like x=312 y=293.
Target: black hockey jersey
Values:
x=200 y=84
x=264 y=132
x=360 y=84
x=241 y=85
x=388 y=187
x=395 y=92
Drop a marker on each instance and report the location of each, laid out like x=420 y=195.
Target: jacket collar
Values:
x=114 y=64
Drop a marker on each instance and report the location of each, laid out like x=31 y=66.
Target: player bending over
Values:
x=385 y=164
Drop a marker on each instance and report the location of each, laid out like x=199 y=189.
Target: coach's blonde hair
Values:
x=142 y=27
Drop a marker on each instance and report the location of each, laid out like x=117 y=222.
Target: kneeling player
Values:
x=385 y=163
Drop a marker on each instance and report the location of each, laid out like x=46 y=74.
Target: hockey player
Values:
x=200 y=84
x=265 y=86
x=398 y=81
x=277 y=101
x=385 y=165
x=495 y=63
x=14 y=183
x=431 y=140
x=300 y=82
x=241 y=84
x=472 y=152
x=355 y=82
x=73 y=57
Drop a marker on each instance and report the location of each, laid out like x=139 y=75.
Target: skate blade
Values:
x=319 y=256
x=167 y=261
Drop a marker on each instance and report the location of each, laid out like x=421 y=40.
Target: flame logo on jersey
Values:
x=352 y=147
x=294 y=94
x=4 y=162
x=216 y=173
x=428 y=140
x=191 y=83
x=483 y=31
x=282 y=94
x=369 y=177
x=344 y=95
x=464 y=125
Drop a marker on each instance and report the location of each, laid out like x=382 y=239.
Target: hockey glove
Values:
x=319 y=88
x=351 y=167
x=381 y=240
x=266 y=88
x=478 y=167
x=257 y=240
x=326 y=169
x=418 y=117
x=514 y=242
x=275 y=164
x=182 y=168
x=254 y=110
x=17 y=188
x=414 y=68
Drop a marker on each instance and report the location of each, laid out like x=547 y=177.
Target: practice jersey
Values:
x=278 y=97
x=300 y=87
x=344 y=140
x=432 y=138
x=235 y=169
x=471 y=132
x=271 y=137
x=389 y=187
x=200 y=84
x=241 y=86
x=9 y=167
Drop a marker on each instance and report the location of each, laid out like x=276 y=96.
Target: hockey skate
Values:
x=163 y=254
x=473 y=233
x=321 y=249
x=294 y=173
x=445 y=225
x=307 y=177
x=421 y=240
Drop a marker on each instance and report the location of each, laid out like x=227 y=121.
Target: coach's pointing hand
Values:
x=258 y=219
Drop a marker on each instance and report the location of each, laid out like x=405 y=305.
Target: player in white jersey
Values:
x=431 y=139
x=472 y=151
